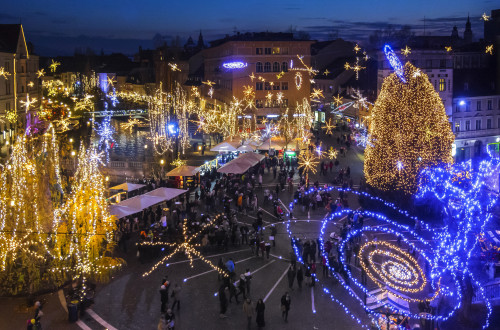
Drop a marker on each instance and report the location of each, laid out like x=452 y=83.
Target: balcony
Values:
x=477 y=134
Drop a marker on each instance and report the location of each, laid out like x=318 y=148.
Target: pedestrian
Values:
x=300 y=276
x=170 y=319
x=268 y=249
x=260 y=313
x=222 y=301
x=291 y=276
x=230 y=267
x=176 y=294
x=242 y=287
x=248 y=278
x=232 y=291
x=285 y=306
x=163 y=298
x=274 y=231
x=249 y=312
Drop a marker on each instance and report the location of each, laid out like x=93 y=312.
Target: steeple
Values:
x=200 y=44
x=468 y=31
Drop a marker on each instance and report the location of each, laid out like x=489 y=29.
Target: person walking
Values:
x=300 y=276
x=248 y=278
x=242 y=287
x=222 y=301
x=291 y=276
x=260 y=307
x=163 y=298
x=249 y=312
x=285 y=306
x=176 y=294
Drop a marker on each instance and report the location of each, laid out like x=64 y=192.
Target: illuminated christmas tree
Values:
x=409 y=131
x=85 y=228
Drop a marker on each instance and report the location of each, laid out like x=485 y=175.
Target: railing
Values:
x=492 y=291
x=70 y=164
x=477 y=134
x=118 y=113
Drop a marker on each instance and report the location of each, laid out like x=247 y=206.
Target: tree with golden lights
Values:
x=409 y=131
x=84 y=228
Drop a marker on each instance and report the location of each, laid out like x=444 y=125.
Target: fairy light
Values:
x=406 y=51
x=178 y=162
x=337 y=100
x=40 y=73
x=53 y=66
x=298 y=80
x=174 y=67
x=485 y=17
x=332 y=153
x=129 y=125
x=4 y=73
x=489 y=49
x=28 y=103
x=448 y=48
x=317 y=94
x=187 y=246
x=417 y=134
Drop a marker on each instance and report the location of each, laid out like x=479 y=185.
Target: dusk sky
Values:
x=57 y=27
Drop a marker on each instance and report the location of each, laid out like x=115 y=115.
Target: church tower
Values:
x=468 y=32
x=201 y=43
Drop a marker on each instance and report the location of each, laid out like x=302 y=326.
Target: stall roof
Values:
x=128 y=186
x=184 y=170
x=166 y=193
x=122 y=211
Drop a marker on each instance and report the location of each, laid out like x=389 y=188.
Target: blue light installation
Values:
x=395 y=62
x=105 y=132
x=234 y=65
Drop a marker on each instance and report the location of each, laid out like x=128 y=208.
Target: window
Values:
x=276 y=67
x=22 y=68
x=442 y=64
x=267 y=66
x=276 y=51
x=259 y=51
x=258 y=67
x=267 y=51
x=490 y=104
x=7 y=87
x=478 y=106
x=442 y=85
x=7 y=66
x=467 y=106
x=478 y=124
x=457 y=126
x=22 y=88
x=267 y=86
x=488 y=123
x=284 y=67
x=466 y=86
x=428 y=64
x=284 y=86
x=259 y=86
x=259 y=104
x=467 y=125
x=284 y=102
x=7 y=106
x=276 y=86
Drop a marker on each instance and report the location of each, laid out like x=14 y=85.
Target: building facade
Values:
x=19 y=82
x=267 y=62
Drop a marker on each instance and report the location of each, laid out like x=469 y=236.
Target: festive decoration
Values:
x=308 y=163
x=4 y=73
x=53 y=66
x=337 y=100
x=408 y=124
x=28 y=103
x=317 y=94
x=332 y=153
x=448 y=48
x=394 y=61
x=105 y=132
x=329 y=127
x=178 y=162
x=356 y=67
x=174 y=67
x=130 y=124
x=406 y=51
x=298 y=80
x=489 y=49
x=40 y=73
x=234 y=65
x=485 y=17
x=188 y=247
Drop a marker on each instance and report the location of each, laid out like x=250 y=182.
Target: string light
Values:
x=174 y=67
x=130 y=124
x=485 y=17
x=40 y=73
x=178 y=162
x=489 y=49
x=4 y=73
x=53 y=66
x=406 y=51
x=298 y=80
x=448 y=48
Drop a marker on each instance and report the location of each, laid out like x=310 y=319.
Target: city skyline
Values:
x=58 y=28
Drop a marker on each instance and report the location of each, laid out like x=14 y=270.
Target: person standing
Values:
x=170 y=319
x=260 y=313
x=249 y=312
x=222 y=301
x=300 y=276
x=291 y=276
x=176 y=294
x=268 y=249
x=285 y=306
x=242 y=287
x=248 y=278
x=163 y=298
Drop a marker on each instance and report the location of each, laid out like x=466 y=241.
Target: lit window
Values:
x=442 y=85
x=276 y=51
x=457 y=126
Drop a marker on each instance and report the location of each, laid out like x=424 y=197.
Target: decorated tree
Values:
x=84 y=227
x=409 y=130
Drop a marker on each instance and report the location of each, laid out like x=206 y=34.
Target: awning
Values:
x=141 y=202
x=166 y=193
x=234 y=168
x=226 y=146
x=184 y=170
x=122 y=211
x=246 y=148
x=128 y=186
x=252 y=156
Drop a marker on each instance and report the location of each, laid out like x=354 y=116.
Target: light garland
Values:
x=298 y=80
x=130 y=124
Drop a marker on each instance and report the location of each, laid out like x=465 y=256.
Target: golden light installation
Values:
x=326 y=73
x=188 y=247
x=332 y=153
x=308 y=163
x=406 y=51
x=174 y=67
x=28 y=103
x=448 y=48
x=83 y=239
x=329 y=127
x=409 y=131
x=485 y=17
x=130 y=124
x=31 y=84
x=111 y=81
x=178 y=162
x=53 y=66
x=208 y=83
x=337 y=100
x=40 y=73
x=317 y=93
x=4 y=73
x=489 y=49
x=63 y=125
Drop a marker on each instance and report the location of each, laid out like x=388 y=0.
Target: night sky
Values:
x=58 y=27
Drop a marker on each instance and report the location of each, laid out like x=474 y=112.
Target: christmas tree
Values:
x=409 y=131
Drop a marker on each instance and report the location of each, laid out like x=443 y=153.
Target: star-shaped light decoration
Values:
x=280 y=75
x=28 y=103
x=448 y=48
x=347 y=66
x=40 y=73
x=279 y=97
x=485 y=17
x=187 y=246
x=211 y=92
x=31 y=84
x=333 y=153
x=63 y=125
x=269 y=98
x=337 y=100
x=4 y=73
x=252 y=77
x=406 y=51
x=489 y=49
x=417 y=73
x=308 y=162
x=111 y=81
x=178 y=162
x=174 y=67
x=53 y=66
x=195 y=92
x=329 y=127
x=130 y=124
x=317 y=93
x=326 y=73
x=357 y=48
x=248 y=91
